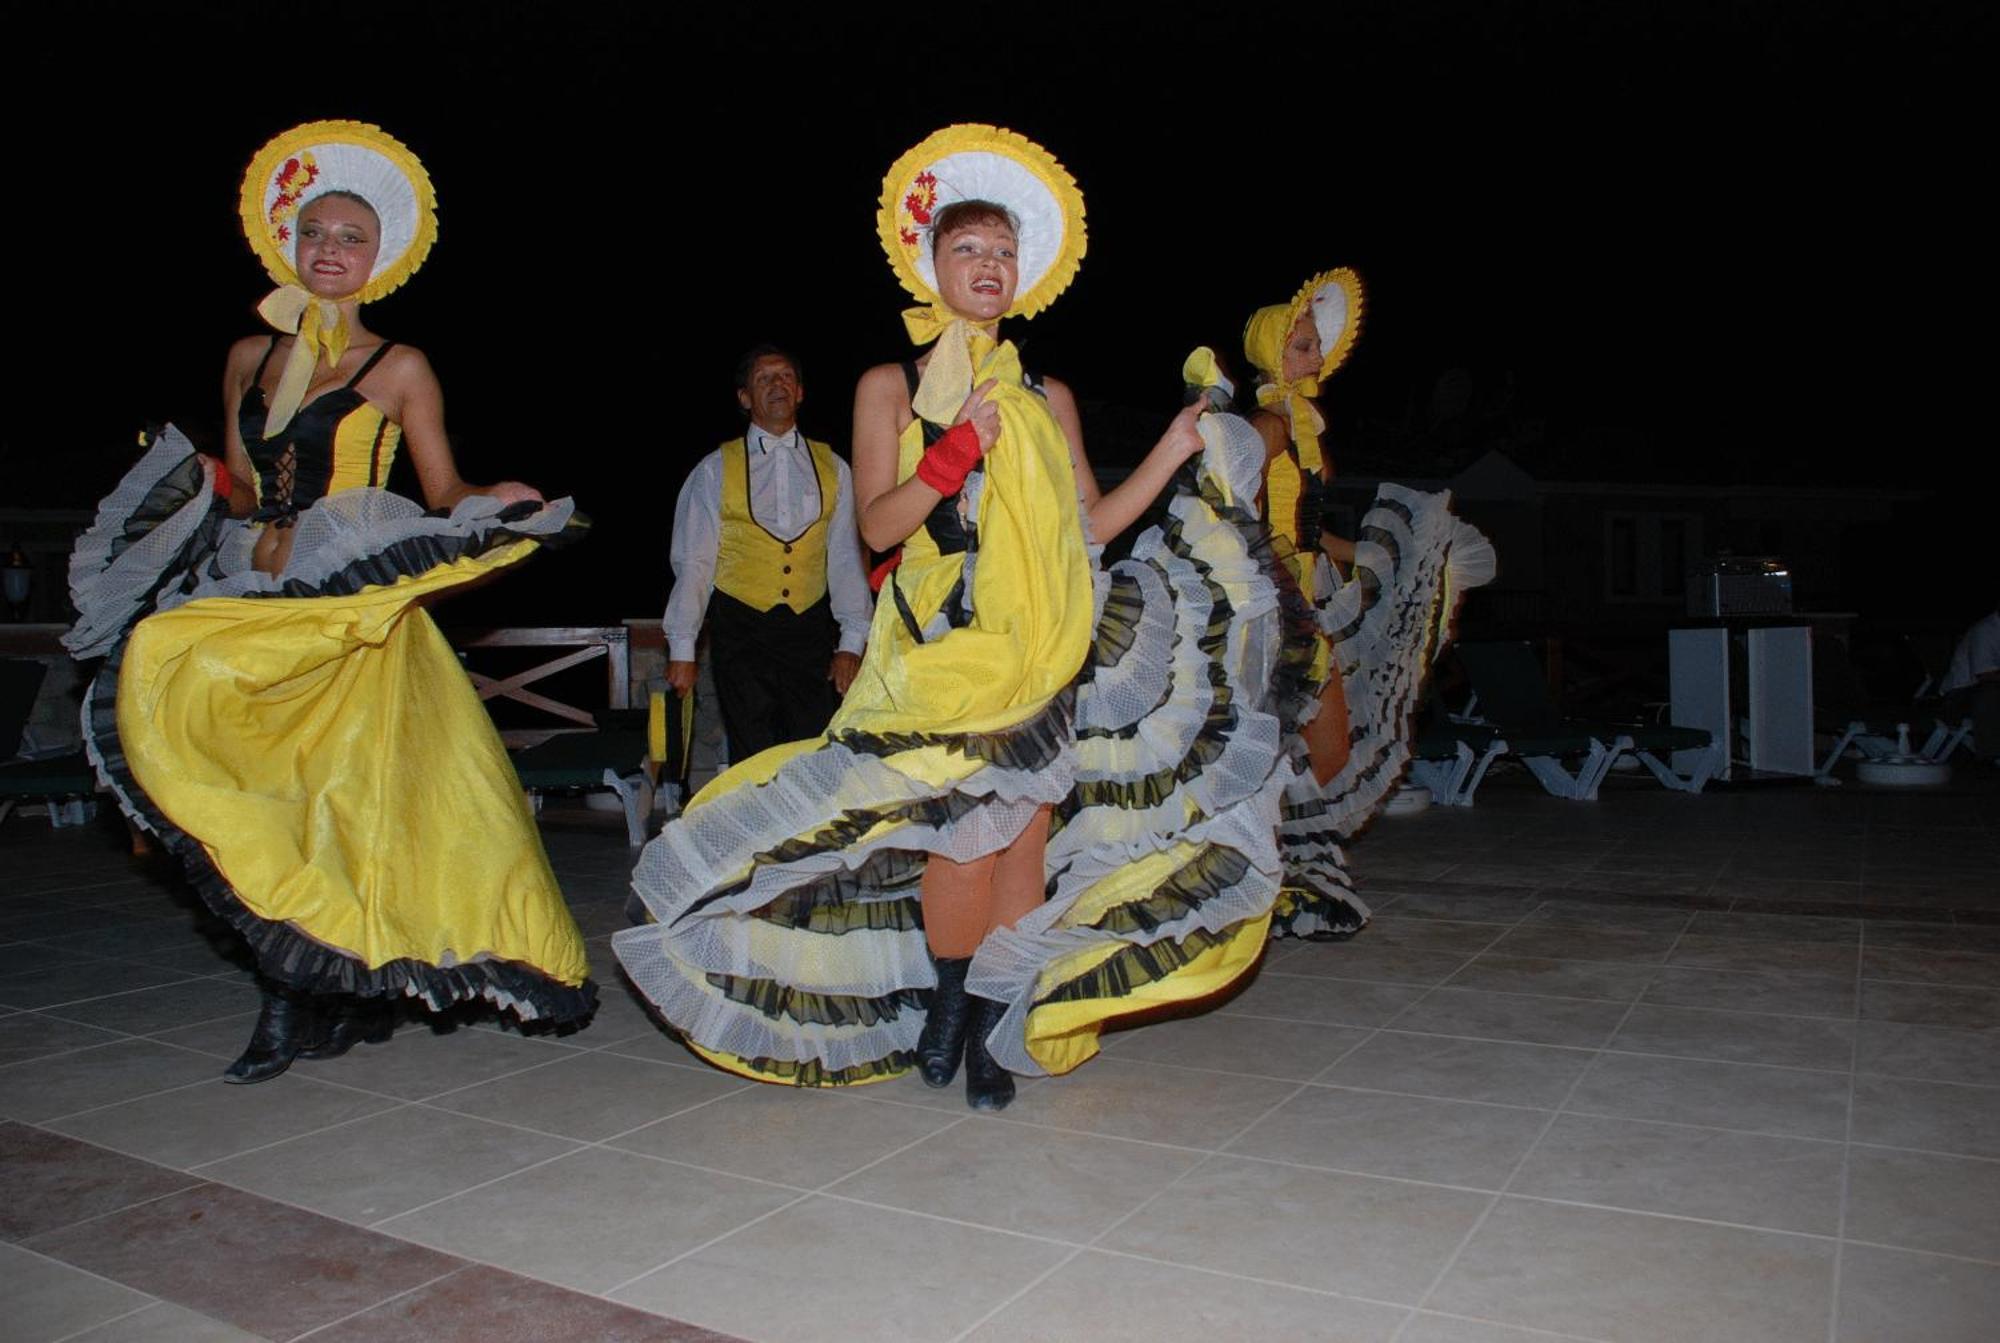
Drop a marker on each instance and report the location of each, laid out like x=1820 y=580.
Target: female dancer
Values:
x=366 y=850
x=1007 y=684
x=1377 y=632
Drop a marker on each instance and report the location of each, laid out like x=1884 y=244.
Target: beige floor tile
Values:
x=30 y=1035
x=1290 y=1050
x=61 y=1084
x=215 y=1120
x=1696 y=879
x=621 y=1014
x=1344 y=1002
x=222 y=1038
x=386 y=1163
x=1738 y=1037
x=1885 y=933
x=1833 y=959
x=1775 y=927
x=870 y=1275
x=1471 y=906
x=909 y=1089
x=165 y=1323
x=418 y=1062
x=1461 y=938
x=1918 y=1201
x=1937 y=1116
x=1149 y=1103
x=81 y=981
x=1512 y=1016
x=592 y=1096
x=1640 y=1279
x=1931 y=1005
x=1384 y=1239
x=164 y=1008
x=1555 y=979
x=1504 y=874
x=660 y=1047
x=1890 y=1296
x=1470 y=1070
x=1112 y=1299
x=1754 y=991
x=1427 y=1327
x=1973 y=969
x=1786 y=1184
x=1569 y=942
x=1612 y=915
x=48 y=1300
x=1790 y=1101
x=792 y=1135
x=1939 y=1053
x=1380 y=964
x=1410 y=1137
x=590 y=1220
x=1014 y=1177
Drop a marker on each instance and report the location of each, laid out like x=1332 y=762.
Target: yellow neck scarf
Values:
x=1307 y=423
x=948 y=377
x=320 y=327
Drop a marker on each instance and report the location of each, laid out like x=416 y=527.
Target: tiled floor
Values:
x=1655 y=1068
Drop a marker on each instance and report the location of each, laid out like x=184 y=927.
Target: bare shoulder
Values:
x=245 y=354
x=880 y=381
x=406 y=361
x=1273 y=429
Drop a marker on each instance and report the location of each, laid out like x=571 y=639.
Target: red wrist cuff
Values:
x=225 y=483
x=947 y=462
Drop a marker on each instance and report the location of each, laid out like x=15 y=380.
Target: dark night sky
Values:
x=1736 y=238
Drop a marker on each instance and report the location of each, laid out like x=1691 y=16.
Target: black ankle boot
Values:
x=287 y=1025
x=357 y=1021
x=942 y=1044
x=988 y=1086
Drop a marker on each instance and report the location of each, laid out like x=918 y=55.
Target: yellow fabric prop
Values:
x=340 y=771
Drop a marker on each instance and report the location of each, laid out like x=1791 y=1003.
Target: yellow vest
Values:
x=759 y=569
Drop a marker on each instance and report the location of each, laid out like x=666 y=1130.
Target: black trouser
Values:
x=770 y=672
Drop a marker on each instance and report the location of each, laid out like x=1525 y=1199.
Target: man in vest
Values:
x=764 y=543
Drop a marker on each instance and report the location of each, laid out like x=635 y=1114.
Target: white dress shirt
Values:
x=784 y=495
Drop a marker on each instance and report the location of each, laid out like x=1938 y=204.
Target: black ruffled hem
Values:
x=936 y=813
x=813 y=1073
x=807 y=1007
x=848 y=900
x=1034 y=743
x=1203 y=878
x=1132 y=967
x=421 y=554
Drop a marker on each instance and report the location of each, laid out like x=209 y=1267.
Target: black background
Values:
x=1725 y=243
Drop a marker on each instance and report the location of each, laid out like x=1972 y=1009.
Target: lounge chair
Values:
x=65 y=782
x=1450 y=757
x=1511 y=696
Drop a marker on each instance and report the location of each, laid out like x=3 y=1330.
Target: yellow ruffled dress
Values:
x=1378 y=631
x=787 y=941
x=308 y=745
